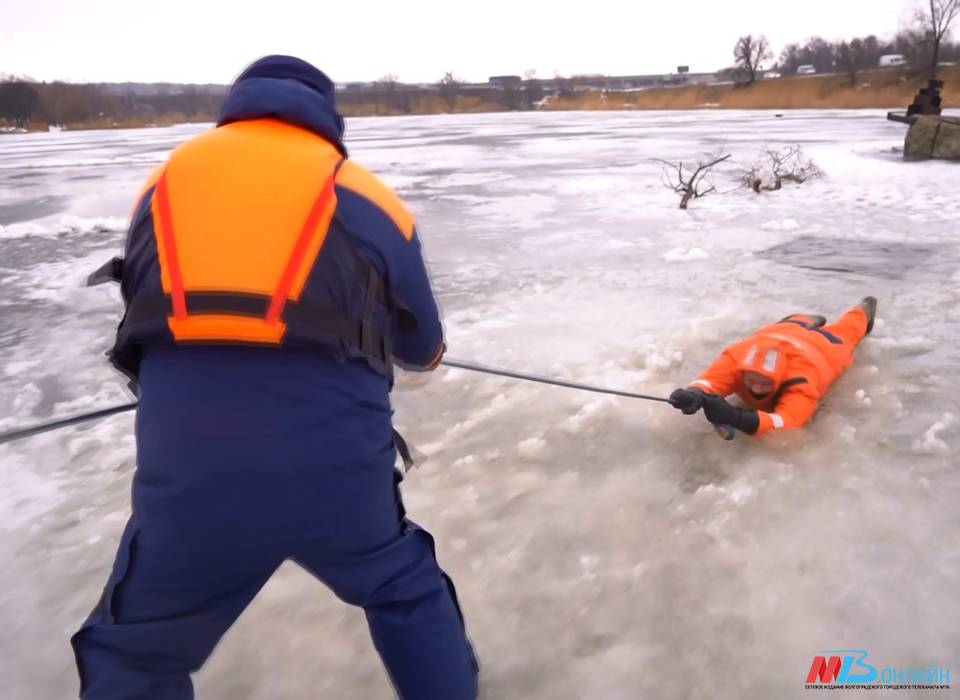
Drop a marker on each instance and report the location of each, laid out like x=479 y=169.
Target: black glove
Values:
x=687 y=400
x=719 y=412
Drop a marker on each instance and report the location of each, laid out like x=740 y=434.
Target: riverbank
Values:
x=878 y=89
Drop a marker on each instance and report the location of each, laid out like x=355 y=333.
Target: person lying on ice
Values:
x=780 y=372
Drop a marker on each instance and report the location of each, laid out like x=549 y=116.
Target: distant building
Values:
x=161 y=89
x=505 y=81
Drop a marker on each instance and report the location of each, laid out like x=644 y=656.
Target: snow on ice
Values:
x=601 y=547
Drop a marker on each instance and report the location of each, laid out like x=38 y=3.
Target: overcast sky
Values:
x=206 y=41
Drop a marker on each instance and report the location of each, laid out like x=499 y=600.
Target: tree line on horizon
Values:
x=924 y=46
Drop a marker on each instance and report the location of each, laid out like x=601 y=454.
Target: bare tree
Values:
x=749 y=53
x=532 y=89
x=849 y=58
x=776 y=167
x=19 y=102
x=564 y=85
x=388 y=81
x=689 y=184
x=385 y=88
x=858 y=55
x=450 y=88
x=935 y=22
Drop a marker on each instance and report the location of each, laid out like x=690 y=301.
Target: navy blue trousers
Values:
x=234 y=478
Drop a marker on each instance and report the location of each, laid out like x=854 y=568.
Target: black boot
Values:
x=869 y=306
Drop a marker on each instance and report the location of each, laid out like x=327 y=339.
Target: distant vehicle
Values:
x=806 y=70
x=772 y=74
x=892 y=59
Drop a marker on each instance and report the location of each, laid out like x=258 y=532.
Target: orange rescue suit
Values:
x=801 y=360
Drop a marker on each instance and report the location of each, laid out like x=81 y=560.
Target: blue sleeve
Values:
x=415 y=323
x=417 y=332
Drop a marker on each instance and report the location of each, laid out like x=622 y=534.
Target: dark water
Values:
x=883 y=260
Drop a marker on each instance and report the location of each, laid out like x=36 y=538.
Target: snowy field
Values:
x=603 y=548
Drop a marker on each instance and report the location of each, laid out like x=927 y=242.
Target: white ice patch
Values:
x=65 y=281
x=576 y=423
x=497 y=405
x=65 y=225
x=528 y=211
x=25 y=496
x=930 y=441
x=431 y=448
x=532 y=447
x=738 y=493
x=781 y=225
x=26 y=400
x=108 y=395
x=20 y=367
x=452 y=374
x=905 y=347
x=588 y=563
x=656 y=359
x=685 y=255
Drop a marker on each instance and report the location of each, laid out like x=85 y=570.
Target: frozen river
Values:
x=602 y=548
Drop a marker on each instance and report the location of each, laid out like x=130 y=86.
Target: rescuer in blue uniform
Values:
x=270 y=283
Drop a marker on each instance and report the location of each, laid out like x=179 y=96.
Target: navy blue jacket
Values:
x=331 y=403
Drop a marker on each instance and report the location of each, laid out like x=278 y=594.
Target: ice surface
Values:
x=601 y=547
x=532 y=447
x=64 y=226
x=684 y=255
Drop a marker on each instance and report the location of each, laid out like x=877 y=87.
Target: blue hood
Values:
x=288 y=89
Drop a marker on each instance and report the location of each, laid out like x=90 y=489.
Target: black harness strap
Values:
x=309 y=319
x=110 y=271
x=826 y=334
x=403 y=450
x=775 y=399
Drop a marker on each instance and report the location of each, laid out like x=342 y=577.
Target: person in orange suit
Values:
x=780 y=373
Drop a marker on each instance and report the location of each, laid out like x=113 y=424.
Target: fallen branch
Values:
x=689 y=185
x=777 y=167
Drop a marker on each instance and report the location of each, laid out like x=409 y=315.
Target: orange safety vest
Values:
x=250 y=252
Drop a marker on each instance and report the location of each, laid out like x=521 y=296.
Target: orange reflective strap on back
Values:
x=224 y=325
x=167 y=249
x=309 y=241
